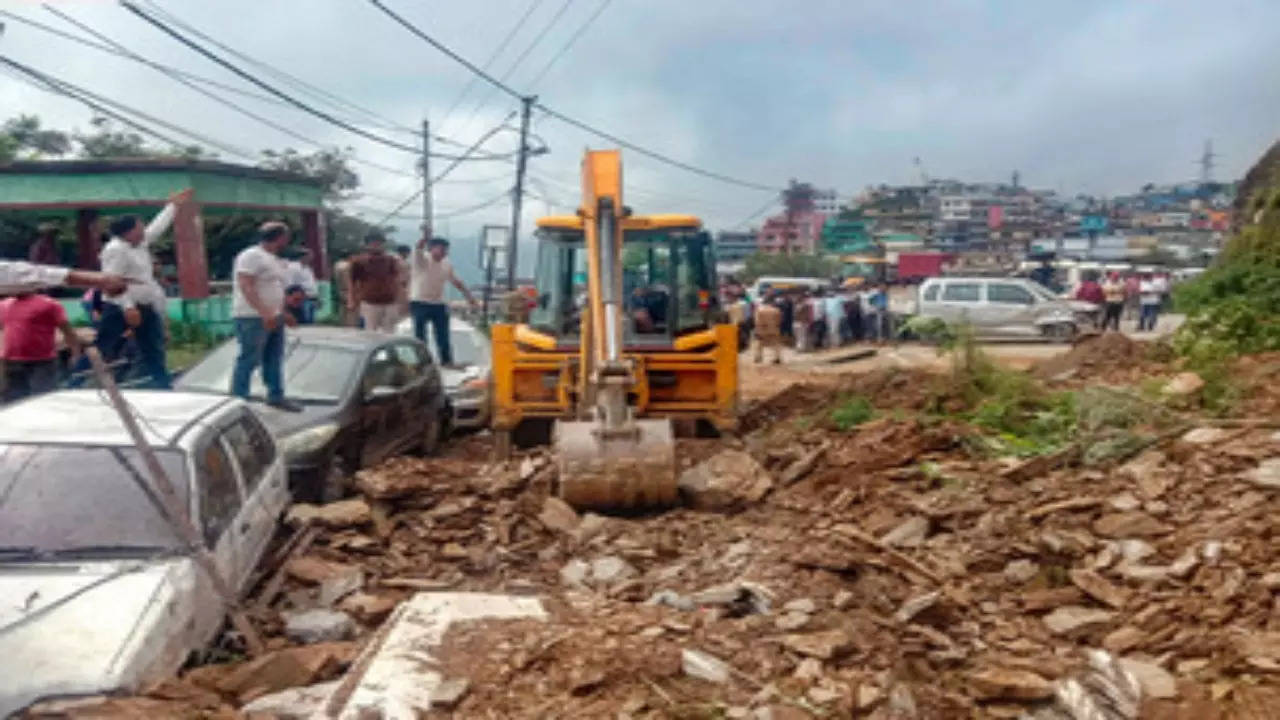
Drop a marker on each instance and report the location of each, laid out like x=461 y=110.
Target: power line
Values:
x=331 y=119
x=103 y=48
x=564 y=118
x=296 y=82
x=773 y=202
x=216 y=98
x=569 y=44
x=56 y=86
x=516 y=63
x=444 y=173
x=492 y=57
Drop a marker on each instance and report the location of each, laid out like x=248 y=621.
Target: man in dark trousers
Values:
x=431 y=269
x=142 y=306
x=257 y=304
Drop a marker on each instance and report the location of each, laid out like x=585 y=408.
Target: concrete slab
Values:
x=396 y=675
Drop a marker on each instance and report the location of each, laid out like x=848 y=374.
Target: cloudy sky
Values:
x=1094 y=96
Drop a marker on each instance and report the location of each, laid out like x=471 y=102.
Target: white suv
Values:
x=1004 y=307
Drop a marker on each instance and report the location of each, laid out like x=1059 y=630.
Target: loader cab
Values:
x=668 y=279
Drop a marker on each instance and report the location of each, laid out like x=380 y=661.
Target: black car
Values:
x=365 y=396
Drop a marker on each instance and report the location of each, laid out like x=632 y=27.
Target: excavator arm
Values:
x=607 y=458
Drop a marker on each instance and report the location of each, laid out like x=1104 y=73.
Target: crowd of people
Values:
x=271 y=288
x=808 y=319
x=1135 y=297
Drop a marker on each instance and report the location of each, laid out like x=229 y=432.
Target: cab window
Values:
x=219 y=494
x=252 y=446
x=1012 y=294
x=411 y=365
x=931 y=293
x=961 y=292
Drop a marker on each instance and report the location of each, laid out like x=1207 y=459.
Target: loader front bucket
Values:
x=616 y=471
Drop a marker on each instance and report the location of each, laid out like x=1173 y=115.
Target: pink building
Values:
x=805 y=237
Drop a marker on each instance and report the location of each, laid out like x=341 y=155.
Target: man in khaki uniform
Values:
x=768 y=331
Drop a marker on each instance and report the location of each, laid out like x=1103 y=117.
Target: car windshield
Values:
x=467 y=348
x=66 y=500
x=312 y=373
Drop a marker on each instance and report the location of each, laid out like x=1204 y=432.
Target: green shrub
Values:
x=851 y=412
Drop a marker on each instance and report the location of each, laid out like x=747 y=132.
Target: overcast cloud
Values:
x=1079 y=96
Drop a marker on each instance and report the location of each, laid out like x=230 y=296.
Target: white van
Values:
x=1004 y=307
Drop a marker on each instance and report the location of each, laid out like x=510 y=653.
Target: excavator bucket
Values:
x=616 y=471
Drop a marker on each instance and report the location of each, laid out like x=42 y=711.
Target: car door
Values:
x=262 y=476
x=414 y=395
x=1010 y=309
x=959 y=301
x=218 y=504
x=379 y=407
x=929 y=304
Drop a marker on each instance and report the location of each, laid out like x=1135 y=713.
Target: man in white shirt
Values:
x=140 y=307
x=257 y=307
x=431 y=269
x=1150 y=295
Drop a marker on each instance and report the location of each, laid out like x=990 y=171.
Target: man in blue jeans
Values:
x=430 y=269
x=257 y=305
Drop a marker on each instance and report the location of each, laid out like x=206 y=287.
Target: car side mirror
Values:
x=380 y=393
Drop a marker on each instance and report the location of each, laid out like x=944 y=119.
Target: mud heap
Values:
x=1109 y=357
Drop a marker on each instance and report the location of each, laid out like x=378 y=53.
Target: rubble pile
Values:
x=1108 y=357
x=881 y=571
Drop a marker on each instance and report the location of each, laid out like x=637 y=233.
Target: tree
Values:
x=798 y=199
x=22 y=136
x=331 y=166
x=106 y=140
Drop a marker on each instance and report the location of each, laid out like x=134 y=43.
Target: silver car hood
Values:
x=70 y=629
x=453 y=377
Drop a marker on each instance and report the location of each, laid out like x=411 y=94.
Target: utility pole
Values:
x=427 y=229
x=518 y=195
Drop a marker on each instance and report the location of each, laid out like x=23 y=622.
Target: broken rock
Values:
x=315 y=626
x=1129 y=524
x=299 y=703
x=341 y=514
x=704 y=666
x=610 y=570
x=1073 y=618
x=909 y=533
x=1021 y=571
x=558 y=516
x=1007 y=684
x=315 y=570
x=368 y=608
x=1156 y=682
x=821 y=645
x=728 y=480
x=449 y=692
x=1183 y=384
x=1099 y=588
x=336 y=587
x=1266 y=475
x=791 y=621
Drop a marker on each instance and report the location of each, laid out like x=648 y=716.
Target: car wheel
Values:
x=431 y=436
x=334 y=484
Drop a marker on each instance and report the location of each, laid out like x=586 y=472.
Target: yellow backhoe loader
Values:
x=626 y=337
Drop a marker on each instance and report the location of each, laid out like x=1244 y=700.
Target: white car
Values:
x=97 y=592
x=468 y=382
x=1004 y=307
